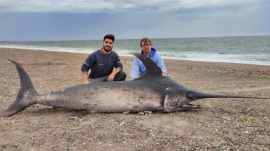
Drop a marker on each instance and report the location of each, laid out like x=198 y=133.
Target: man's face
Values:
x=107 y=45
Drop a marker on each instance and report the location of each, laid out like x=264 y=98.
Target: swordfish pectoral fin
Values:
x=185 y=107
x=188 y=106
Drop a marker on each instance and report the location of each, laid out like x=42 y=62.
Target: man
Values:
x=138 y=69
x=102 y=62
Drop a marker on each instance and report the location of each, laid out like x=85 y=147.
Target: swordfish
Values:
x=148 y=93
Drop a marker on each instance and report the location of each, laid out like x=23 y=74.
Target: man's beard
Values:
x=107 y=50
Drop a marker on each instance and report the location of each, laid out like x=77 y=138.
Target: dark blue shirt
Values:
x=101 y=64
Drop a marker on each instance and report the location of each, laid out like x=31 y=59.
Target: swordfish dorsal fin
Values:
x=151 y=67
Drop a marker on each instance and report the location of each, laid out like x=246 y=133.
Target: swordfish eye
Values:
x=190 y=96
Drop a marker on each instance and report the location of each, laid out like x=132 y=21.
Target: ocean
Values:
x=238 y=49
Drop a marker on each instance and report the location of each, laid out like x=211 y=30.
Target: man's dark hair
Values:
x=109 y=36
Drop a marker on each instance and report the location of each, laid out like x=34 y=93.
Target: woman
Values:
x=138 y=69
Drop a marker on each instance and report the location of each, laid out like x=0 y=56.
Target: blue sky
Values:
x=131 y=19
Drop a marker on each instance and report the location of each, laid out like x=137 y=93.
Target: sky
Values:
x=35 y=20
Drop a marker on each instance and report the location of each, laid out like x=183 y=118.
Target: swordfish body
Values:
x=149 y=93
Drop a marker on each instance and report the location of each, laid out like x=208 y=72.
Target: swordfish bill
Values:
x=148 y=93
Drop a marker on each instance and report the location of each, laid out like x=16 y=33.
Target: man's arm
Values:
x=86 y=66
x=112 y=75
x=85 y=77
x=118 y=67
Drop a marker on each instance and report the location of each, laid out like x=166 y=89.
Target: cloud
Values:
x=91 y=19
x=97 y=6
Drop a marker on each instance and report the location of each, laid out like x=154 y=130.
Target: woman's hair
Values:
x=145 y=40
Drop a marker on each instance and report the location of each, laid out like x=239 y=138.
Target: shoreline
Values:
x=182 y=71
x=30 y=49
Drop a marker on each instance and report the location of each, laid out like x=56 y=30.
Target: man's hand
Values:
x=111 y=77
x=86 y=82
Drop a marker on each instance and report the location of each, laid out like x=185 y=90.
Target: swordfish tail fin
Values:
x=27 y=89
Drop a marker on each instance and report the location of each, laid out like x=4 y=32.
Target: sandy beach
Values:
x=221 y=124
